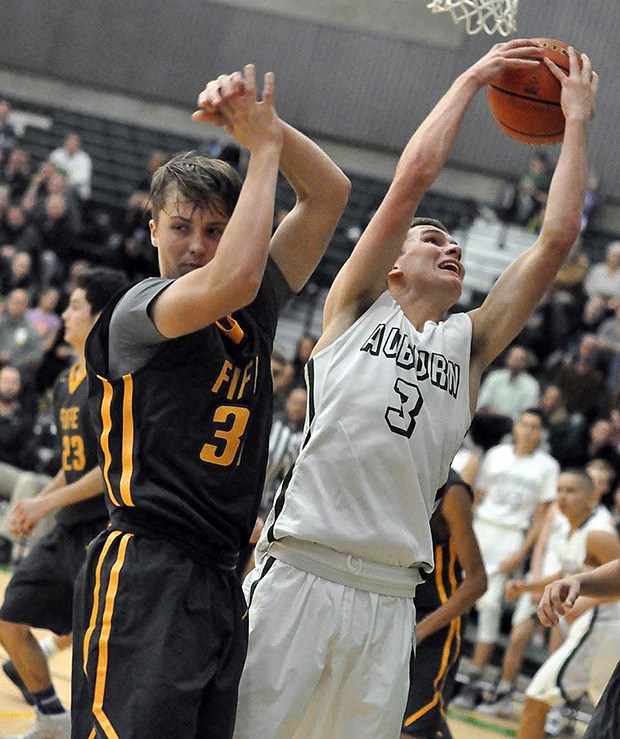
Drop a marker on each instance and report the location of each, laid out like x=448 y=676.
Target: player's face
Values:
x=573 y=498
x=430 y=256
x=78 y=319
x=185 y=236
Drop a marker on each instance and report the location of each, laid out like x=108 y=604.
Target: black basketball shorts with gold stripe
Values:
x=160 y=642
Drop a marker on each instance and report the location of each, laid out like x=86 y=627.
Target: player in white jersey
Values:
x=515 y=485
x=586 y=659
x=558 y=600
x=391 y=385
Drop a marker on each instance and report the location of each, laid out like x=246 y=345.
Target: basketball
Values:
x=525 y=103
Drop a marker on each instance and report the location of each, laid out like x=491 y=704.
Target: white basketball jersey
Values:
x=388 y=407
x=573 y=551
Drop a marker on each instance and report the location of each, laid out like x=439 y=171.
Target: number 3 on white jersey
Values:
x=402 y=420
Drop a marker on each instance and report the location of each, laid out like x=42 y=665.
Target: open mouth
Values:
x=450 y=267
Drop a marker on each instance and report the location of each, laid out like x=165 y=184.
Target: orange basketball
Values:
x=525 y=103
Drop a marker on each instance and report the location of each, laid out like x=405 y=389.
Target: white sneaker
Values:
x=49 y=726
x=500 y=705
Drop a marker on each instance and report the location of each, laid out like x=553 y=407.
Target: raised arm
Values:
x=363 y=278
x=322 y=191
x=232 y=278
x=515 y=294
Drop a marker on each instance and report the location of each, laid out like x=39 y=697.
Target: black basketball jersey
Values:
x=439 y=585
x=77 y=442
x=184 y=439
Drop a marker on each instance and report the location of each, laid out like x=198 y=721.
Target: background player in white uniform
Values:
x=587 y=657
x=515 y=485
x=558 y=600
x=390 y=391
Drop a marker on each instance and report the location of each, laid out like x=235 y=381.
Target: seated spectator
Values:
x=600 y=443
x=8 y=137
x=156 y=160
x=581 y=382
x=19 y=272
x=75 y=164
x=604 y=278
x=532 y=189
x=591 y=200
x=135 y=251
x=20 y=342
x=56 y=229
x=509 y=391
x=16 y=423
x=45 y=316
x=608 y=335
x=282 y=378
x=304 y=349
x=567 y=433
x=284 y=443
x=17 y=230
x=549 y=327
x=15 y=173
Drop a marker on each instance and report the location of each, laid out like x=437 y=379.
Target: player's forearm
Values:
x=602 y=582
x=463 y=598
x=312 y=174
x=537 y=585
x=562 y=219
x=242 y=252
x=88 y=486
x=429 y=147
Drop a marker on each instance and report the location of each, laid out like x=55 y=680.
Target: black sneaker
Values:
x=9 y=670
x=469 y=695
x=498 y=704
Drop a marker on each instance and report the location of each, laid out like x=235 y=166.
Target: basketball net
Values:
x=490 y=16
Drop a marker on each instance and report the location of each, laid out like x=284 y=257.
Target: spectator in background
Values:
x=302 y=354
x=580 y=380
x=509 y=391
x=567 y=433
x=284 y=443
x=57 y=230
x=8 y=137
x=20 y=342
x=604 y=478
x=591 y=199
x=45 y=316
x=600 y=443
x=16 y=173
x=136 y=254
x=156 y=160
x=608 y=335
x=16 y=424
x=282 y=379
x=532 y=189
x=604 y=278
x=75 y=164
x=18 y=231
x=18 y=271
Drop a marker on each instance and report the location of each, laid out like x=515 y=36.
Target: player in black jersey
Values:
x=180 y=386
x=40 y=593
x=441 y=600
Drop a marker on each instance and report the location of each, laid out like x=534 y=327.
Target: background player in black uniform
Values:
x=40 y=593
x=180 y=386
x=440 y=601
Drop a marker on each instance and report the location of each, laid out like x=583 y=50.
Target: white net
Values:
x=490 y=16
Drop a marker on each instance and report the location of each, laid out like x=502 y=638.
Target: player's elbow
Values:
x=562 y=234
x=245 y=284
x=479 y=582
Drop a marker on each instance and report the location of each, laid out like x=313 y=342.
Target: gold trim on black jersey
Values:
x=233 y=331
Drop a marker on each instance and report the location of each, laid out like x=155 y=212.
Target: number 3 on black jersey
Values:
x=402 y=420
x=233 y=421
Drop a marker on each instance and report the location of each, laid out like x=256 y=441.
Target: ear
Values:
x=153 y=230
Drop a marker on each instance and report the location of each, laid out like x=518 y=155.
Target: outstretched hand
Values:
x=578 y=87
x=514 y=54
x=231 y=102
